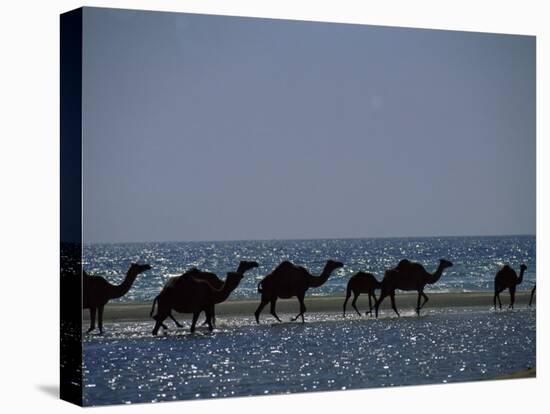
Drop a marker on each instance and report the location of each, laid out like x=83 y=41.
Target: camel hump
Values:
x=403 y=264
x=193 y=272
x=286 y=265
x=370 y=276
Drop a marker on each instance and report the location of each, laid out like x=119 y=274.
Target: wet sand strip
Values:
x=139 y=311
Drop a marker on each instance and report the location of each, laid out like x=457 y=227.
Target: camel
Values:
x=209 y=277
x=532 y=294
x=507 y=278
x=288 y=280
x=361 y=282
x=96 y=292
x=189 y=294
x=409 y=276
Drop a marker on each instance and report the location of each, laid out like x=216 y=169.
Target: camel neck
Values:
x=221 y=294
x=316 y=281
x=436 y=275
x=520 y=278
x=124 y=287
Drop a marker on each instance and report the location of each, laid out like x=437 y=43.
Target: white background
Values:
x=29 y=193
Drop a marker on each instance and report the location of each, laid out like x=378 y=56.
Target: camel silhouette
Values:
x=209 y=277
x=288 y=280
x=190 y=294
x=507 y=278
x=409 y=276
x=532 y=294
x=361 y=282
x=96 y=292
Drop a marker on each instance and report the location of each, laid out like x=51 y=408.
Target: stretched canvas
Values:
x=256 y=206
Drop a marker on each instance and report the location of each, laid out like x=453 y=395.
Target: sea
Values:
x=475 y=261
x=327 y=353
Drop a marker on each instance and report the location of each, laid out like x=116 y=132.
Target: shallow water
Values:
x=476 y=260
x=128 y=365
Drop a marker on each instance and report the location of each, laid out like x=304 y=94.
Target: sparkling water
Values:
x=128 y=365
x=475 y=259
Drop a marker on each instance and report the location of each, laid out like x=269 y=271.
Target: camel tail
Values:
x=348 y=290
x=260 y=286
x=153 y=307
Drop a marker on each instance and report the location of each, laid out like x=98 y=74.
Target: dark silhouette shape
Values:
x=361 y=282
x=190 y=294
x=288 y=280
x=96 y=292
x=209 y=277
x=532 y=294
x=409 y=276
x=507 y=278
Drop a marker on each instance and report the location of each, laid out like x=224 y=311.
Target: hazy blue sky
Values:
x=211 y=128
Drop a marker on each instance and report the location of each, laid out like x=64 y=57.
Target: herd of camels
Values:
x=197 y=291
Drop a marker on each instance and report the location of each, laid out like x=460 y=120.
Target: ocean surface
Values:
x=475 y=259
x=240 y=358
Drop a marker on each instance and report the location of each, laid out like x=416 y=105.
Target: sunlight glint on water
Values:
x=476 y=260
x=326 y=353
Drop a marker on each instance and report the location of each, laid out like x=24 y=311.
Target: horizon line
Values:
x=317 y=238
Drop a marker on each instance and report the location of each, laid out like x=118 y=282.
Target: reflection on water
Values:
x=326 y=353
x=476 y=260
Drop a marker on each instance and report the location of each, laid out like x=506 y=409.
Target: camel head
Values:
x=136 y=268
x=333 y=265
x=522 y=270
x=445 y=263
x=523 y=267
x=244 y=266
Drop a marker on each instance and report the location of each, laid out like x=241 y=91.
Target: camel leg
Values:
x=370 y=304
x=159 y=319
x=158 y=324
x=418 y=303
x=497 y=297
x=272 y=308
x=92 y=320
x=212 y=320
x=259 y=310
x=374 y=300
x=378 y=303
x=354 y=303
x=194 y=321
x=179 y=325
x=392 y=297
x=425 y=300
x=348 y=294
x=209 y=320
x=512 y=297
x=532 y=295
x=100 y=319
x=302 y=309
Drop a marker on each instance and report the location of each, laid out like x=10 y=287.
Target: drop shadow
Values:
x=51 y=390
